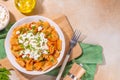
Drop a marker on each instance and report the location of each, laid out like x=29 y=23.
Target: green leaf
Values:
x=4 y=70
x=33 y=27
x=3 y=33
x=4 y=74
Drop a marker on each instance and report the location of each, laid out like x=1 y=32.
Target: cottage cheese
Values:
x=34 y=45
x=4 y=17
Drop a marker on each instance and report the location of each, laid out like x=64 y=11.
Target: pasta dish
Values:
x=36 y=45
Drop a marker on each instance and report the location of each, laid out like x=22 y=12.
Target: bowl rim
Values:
x=10 y=55
x=8 y=16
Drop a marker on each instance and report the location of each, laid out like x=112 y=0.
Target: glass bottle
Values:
x=25 y=6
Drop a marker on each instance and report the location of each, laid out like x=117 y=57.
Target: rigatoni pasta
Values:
x=36 y=45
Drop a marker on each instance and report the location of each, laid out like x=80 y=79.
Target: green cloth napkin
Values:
x=91 y=56
x=3 y=33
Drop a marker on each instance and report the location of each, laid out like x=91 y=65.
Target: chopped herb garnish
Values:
x=32 y=48
x=28 y=46
x=26 y=39
x=52 y=60
x=40 y=58
x=38 y=39
x=48 y=51
x=30 y=31
x=49 y=35
x=38 y=44
x=21 y=45
x=20 y=37
x=32 y=43
x=26 y=58
x=26 y=29
x=22 y=30
x=33 y=27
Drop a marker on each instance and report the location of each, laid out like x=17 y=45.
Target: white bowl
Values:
x=4 y=16
x=11 y=57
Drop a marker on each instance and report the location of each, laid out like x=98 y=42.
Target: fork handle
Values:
x=63 y=67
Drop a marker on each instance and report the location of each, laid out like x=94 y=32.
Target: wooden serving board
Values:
x=63 y=23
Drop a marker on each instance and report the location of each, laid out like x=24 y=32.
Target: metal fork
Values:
x=73 y=42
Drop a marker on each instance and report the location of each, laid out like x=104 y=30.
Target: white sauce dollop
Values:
x=39 y=28
x=34 y=45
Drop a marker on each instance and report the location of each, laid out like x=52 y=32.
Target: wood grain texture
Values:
x=64 y=24
x=76 y=70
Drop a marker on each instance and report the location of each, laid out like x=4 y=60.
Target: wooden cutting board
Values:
x=63 y=23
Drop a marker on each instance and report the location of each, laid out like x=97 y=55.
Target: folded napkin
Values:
x=91 y=56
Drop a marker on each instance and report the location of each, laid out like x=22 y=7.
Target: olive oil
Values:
x=25 y=6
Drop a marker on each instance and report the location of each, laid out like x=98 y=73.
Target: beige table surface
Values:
x=98 y=20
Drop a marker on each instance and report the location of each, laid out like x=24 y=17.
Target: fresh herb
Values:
x=49 y=35
x=33 y=27
x=26 y=58
x=20 y=37
x=52 y=60
x=30 y=31
x=26 y=29
x=48 y=51
x=32 y=48
x=22 y=30
x=26 y=39
x=4 y=70
x=21 y=45
x=28 y=46
x=38 y=44
x=20 y=52
x=40 y=58
x=38 y=39
x=4 y=74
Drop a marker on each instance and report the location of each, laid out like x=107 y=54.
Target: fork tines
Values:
x=76 y=35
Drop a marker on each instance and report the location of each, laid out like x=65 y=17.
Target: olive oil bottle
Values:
x=25 y=6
